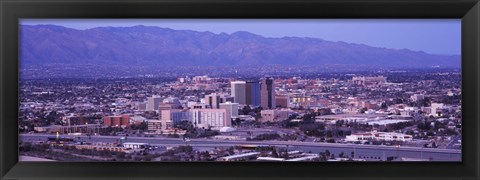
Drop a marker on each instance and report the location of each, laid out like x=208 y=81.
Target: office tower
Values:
x=238 y=91
x=153 y=102
x=252 y=93
x=267 y=93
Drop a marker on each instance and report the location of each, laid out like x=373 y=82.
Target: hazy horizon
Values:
x=442 y=37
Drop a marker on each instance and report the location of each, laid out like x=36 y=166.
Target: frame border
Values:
x=12 y=10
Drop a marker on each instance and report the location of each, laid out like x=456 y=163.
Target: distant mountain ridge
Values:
x=155 y=46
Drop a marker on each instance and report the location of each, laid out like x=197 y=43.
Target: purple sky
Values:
x=435 y=36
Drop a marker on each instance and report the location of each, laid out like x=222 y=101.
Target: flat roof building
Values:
x=238 y=91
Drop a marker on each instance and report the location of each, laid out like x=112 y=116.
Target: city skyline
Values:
x=145 y=93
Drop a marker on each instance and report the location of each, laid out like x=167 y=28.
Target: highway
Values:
x=370 y=152
x=453 y=142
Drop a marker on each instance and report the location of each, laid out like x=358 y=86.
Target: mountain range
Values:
x=156 y=46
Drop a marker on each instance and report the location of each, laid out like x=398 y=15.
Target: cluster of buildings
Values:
x=256 y=93
x=214 y=110
x=208 y=102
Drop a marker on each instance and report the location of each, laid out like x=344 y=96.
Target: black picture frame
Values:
x=12 y=10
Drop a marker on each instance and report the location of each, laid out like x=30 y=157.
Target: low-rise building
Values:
x=240 y=157
x=378 y=136
x=154 y=126
x=104 y=147
x=274 y=115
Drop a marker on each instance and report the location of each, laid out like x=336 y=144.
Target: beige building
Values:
x=238 y=91
x=274 y=115
x=153 y=103
x=154 y=126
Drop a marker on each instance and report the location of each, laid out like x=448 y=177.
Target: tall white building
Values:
x=153 y=103
x=238 y=91
x=232 y=108
x=214 y=118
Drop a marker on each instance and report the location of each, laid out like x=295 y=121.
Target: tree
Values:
x=383 y=106
x=147 y=157
x=331 y=140
x=322 y=157
x=137 y=158
x=390 y=158
x=230 y=150
x=246 y=110
x=274 y=153
x=327 y=153
x=143 y=126
x=332 y=156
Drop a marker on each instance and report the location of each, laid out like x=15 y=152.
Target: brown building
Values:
x=122 y=120
x=282 y=101
x=107 y=121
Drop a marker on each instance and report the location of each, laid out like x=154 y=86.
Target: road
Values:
x=372 y=152
x=453 y=142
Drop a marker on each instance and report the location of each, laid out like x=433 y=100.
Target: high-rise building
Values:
x=213 y=100
x=153 y=102
x=267 y=93
x=238 y=91
x=232 y=108
x=252 y=93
